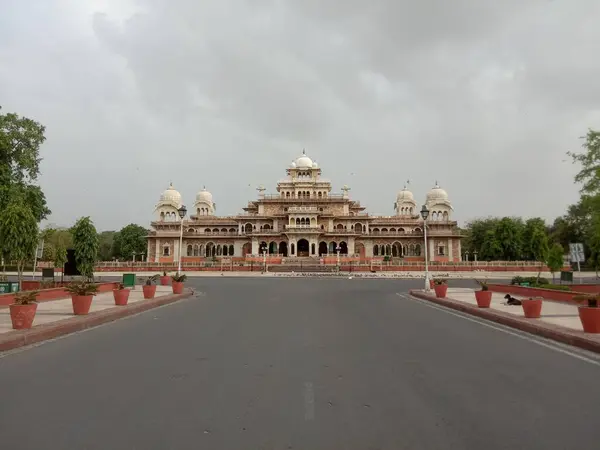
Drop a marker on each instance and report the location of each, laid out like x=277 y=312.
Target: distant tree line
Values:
x=512 y=238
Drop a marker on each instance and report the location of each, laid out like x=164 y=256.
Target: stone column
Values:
x=431 y=252
x=351 y=249
x=450 y=252
x=157 y=252
x=255 y=250
x=459 y=250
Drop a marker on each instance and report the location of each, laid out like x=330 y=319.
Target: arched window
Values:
x=231 y=250
x=418 y=250
x=189 y=250
x=376 y=250
x=162 y=216
x=225 y=248
x=196 y=250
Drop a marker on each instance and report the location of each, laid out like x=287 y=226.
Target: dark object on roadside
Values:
x=512 y=301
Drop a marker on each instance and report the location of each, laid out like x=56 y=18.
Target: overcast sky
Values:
x=484 y=96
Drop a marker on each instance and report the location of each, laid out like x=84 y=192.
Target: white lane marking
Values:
x=309 y=401
x=535 y=340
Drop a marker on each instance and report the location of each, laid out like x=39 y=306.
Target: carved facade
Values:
x=304 y=219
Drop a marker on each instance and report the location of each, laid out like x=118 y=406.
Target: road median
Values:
x=537 y=327
x=20 y=338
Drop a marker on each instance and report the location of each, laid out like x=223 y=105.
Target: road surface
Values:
x=314 y=364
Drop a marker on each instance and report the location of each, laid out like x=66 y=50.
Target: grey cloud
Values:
x=484 y=96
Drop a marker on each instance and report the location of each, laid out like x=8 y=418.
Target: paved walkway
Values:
x=56 y=310
x=552 y=312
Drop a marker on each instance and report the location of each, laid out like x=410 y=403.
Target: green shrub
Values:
x=556 y=287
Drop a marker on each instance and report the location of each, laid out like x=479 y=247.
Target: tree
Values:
x=20 y=141
x=589 y=174
x=532 y=226
x=106 y=250
x=131 y=238
x=538 y=246
x=18 y=235
x=85 y=242
x=509 y=233
x=555 y=260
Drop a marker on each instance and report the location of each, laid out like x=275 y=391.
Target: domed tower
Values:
x=204 y=205
x=438 y=204
x=169 y=203
x=405 y=203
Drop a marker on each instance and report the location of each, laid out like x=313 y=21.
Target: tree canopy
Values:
x=85 y=242
x=18 y=234
x=130 y=239
x=20 y=141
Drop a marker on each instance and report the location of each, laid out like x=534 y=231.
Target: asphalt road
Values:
x=305 y=364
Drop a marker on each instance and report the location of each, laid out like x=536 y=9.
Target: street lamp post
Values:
x=425 y=215
x=338 y=249
x=182 y=211
x=264 y=252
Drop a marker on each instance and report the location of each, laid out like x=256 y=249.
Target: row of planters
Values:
x=22 y=312
x=589 y=310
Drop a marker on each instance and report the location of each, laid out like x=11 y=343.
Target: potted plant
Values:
x=82 y=293
x=484 y=295
x=22 y=311
x=149 y=287
x=532 y=307
x=164 y=279
x=440 y=287
x=178 y=280
x=589 y=312
x=431 y=283
x=121 y=294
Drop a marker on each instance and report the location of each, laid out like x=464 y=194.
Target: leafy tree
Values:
x=20 y=141
x=538 y=246
x=509 y=233
x=131 y=238
x=532 y=226
x=18 y=235
x=85 y=242
x=589 y=174
x=107 y=242
x=555 y=260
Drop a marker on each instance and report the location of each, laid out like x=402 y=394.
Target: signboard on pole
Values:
x=576 y=253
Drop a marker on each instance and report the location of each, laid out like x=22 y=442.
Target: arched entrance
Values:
x=283 y=248
x=360 y=249
x=302 y=248
x=273 y=248
x=246 y=249
x=343 y=248
x=322 y=248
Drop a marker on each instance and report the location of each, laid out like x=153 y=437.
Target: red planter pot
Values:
x=440 y=290
x=590 y=319
x=177 y=287
x=121 y=296
x=483 y=298
x=532 y=308
x=81 y=304
x=22 y=315
x=149 y=291
x=165 y=280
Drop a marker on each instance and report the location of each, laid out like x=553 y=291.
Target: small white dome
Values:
x=304 y=162
x=293 y=165
x=315 y=165
x=405 y=195
x=437 y=194
x=204 y=196
x=171 y=195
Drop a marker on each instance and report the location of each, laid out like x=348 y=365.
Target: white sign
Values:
x=576 y=253
x=39 y=251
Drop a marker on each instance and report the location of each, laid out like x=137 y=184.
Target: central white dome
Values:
x=171 y=195
x=304 y=162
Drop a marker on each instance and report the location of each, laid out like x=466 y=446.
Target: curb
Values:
x=20 y=338
x=533 y=326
